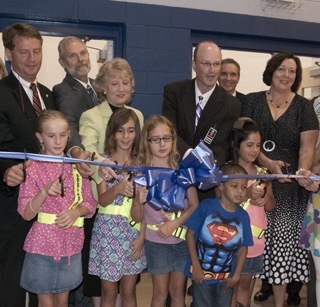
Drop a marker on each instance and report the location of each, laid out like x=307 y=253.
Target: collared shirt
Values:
x=85 y=84
x=205 y=96
x=26 y=86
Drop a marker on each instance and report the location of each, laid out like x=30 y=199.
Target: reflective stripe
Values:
x=77 y=187
x=257 y=232
x=179 y=232
x=245 y=204
x=123 y=210
x=50 y=218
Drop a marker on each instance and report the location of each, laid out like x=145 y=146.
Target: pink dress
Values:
x=48 y=239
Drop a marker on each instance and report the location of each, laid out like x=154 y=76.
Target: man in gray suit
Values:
x=73 y=98
x=71 y=95
x=219 y=109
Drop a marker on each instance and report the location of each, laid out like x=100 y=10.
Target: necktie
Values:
x=92 y=94
x=198 y=112
x=36 y=103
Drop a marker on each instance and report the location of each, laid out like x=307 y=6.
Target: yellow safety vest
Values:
x=179 y=232
x=123 y=210
x=49 y=218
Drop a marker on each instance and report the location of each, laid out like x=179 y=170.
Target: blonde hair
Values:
x=145 y=156
x=46 y=115
x=110 y=69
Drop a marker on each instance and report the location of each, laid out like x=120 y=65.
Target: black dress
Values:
x=284 y=261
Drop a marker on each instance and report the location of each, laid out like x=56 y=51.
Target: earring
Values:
x=41 y=147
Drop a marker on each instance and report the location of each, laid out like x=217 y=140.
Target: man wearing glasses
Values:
x=201 y=109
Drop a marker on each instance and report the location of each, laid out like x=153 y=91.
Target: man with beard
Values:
x=73 y=96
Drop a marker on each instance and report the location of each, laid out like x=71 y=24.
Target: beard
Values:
x=79 y=71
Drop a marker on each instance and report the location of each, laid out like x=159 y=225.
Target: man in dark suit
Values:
x=219 y=109
x=230 y=76
x=72 y=98
x=18 y=125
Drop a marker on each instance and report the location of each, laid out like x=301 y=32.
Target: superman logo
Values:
x=222 y=233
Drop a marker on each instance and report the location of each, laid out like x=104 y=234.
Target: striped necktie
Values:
x=198 y=112
x=92 y=94
x=36 y=103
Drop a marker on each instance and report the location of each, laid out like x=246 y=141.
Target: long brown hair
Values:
x=145 y=156
x=119 y=118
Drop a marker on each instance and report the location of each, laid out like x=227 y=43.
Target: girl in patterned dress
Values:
x=59 y=197
x=116 y=251
x=310 y=233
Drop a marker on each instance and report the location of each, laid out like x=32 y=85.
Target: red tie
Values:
x=36 y=100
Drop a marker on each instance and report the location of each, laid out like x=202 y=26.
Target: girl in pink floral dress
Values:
x=58 y=197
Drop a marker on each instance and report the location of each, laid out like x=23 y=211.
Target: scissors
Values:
x=90 y=177
x=132 y=175
x=24 y=166
x=61 y=180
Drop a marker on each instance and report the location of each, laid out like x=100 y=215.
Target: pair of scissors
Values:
x=24 y=165
x=132 y=175
x=90 y=177
x=61 y=179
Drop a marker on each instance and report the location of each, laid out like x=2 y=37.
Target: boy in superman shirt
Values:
x=217 y=239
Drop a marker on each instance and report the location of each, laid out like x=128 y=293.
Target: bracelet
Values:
x=44 y=192
x=169 y=228
x=30 y=202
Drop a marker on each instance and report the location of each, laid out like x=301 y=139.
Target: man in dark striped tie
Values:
x=18 y=121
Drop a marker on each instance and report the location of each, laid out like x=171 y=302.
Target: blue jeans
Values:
x=205 y=295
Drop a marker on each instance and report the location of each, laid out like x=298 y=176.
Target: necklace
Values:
x=281 y=105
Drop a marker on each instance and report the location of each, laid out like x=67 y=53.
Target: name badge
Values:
x=210 y=135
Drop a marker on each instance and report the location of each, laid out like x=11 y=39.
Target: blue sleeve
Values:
x=247 y=234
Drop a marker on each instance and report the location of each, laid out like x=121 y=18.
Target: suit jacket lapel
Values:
x=189 y=105
x=78 y=87
x=23 y=100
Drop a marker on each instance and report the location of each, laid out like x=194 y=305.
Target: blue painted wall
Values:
x=157 y=40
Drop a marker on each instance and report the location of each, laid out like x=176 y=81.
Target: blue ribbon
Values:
x=167 y=186
x=207 y=173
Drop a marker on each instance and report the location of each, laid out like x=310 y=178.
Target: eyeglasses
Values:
x=157 y=139
x=208 y=64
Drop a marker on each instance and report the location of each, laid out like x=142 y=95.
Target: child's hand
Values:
x=164 y=231
x=231 y=282
x=137 y=248
x=255 y=191
x=125 y=187
x=197 y=274
x=65 y=219
x=54 y=188
x=141 y=193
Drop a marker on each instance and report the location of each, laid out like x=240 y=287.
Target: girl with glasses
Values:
x=166 y=251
